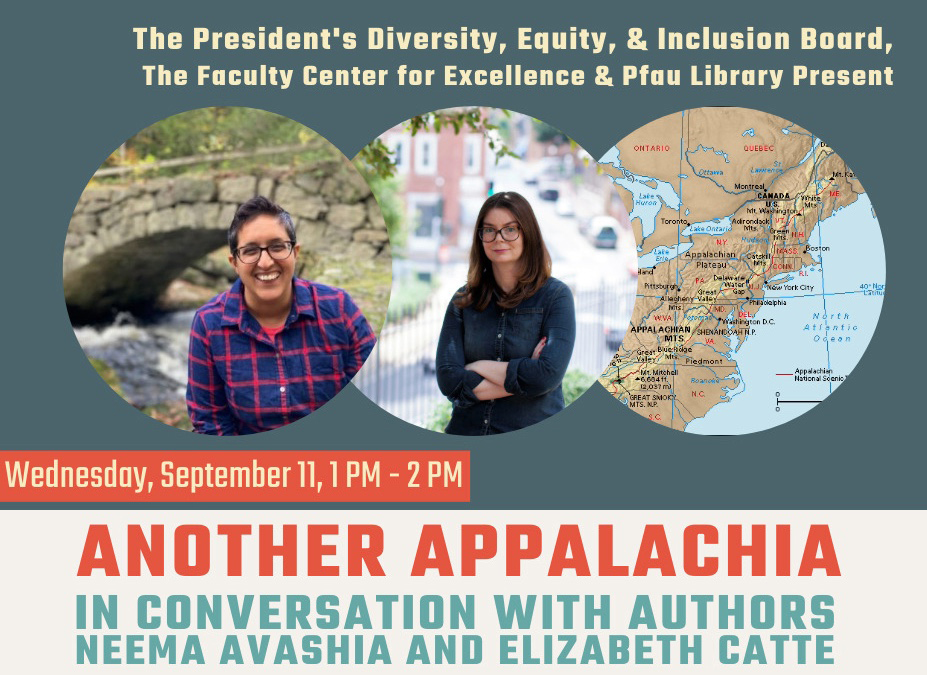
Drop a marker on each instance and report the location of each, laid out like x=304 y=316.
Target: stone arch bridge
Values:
x=126 y=243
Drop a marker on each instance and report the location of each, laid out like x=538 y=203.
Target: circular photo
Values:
x=514 y=271
x=227 y=270
x=762 y=271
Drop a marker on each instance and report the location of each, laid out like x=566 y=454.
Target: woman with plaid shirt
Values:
x=272 y=348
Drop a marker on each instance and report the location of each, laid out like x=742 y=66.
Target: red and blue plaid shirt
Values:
x=242 y=381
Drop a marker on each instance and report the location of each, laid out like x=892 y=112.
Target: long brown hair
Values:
x=481 y=284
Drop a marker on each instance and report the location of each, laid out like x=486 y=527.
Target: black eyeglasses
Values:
x=509 y=233
x=279 y=250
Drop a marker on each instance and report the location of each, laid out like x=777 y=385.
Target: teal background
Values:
x=74 y=90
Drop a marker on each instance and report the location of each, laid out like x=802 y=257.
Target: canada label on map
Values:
x=761 y=271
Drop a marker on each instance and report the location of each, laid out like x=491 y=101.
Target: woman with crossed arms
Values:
x=508 y=334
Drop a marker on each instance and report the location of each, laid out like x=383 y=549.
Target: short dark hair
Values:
x=481 y=286
x=259 y=206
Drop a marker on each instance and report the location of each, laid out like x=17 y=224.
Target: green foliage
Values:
x=575 y=384
x=222 y=130
x=378 y=158
x=440 y=417
x=386 y=191
x=408 y=297
x=107 y=374
x=545 y=133
x=173 y=414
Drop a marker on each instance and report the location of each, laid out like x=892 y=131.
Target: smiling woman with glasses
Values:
x=273 y=348
x=508 y=334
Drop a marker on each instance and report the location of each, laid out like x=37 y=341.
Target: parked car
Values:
x=606 y=237
x=597 y=223
x=565 y=207
x=614 y=337
x=549 y=190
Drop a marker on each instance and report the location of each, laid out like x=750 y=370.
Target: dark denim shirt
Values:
x=511 y=335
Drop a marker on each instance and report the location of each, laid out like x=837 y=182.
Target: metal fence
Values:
x=399 y=376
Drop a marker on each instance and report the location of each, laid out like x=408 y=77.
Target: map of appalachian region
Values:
x=761 y=276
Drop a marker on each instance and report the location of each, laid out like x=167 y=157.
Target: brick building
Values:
x=444 y=183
